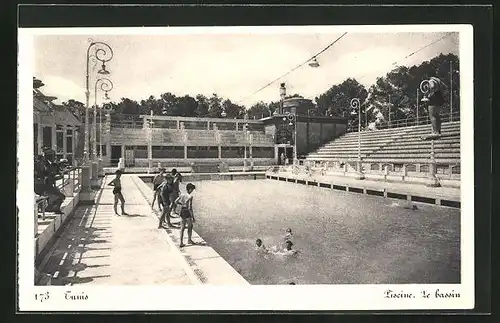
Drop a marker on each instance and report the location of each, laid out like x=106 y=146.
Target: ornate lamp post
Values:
x=103 y=53
x=356 y=104
x=104 y=84
x=292 y=121
x=432 y=180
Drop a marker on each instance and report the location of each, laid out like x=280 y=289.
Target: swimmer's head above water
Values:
x=258 y=242
x=289 y=245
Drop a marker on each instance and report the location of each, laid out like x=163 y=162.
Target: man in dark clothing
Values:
x=435 y=100
x=47 y=173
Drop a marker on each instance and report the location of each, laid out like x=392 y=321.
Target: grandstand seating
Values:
x=394 y=145
x=140 y=136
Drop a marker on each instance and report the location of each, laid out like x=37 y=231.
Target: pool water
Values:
x=342 y=237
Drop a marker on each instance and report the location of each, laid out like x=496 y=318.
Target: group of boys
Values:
x=173 y=203
x=287 y=245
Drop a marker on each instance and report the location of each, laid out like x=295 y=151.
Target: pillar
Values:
x=185 y=151
x=208 y=125
x=432 y=180
x=251 y=156
x=237 y=126
x=40 y=134
x=178 y=124
x=65 y=143
x=108 y=152
x=276 y=154
x=123 y=151
x=53 y=136
x=220 y=151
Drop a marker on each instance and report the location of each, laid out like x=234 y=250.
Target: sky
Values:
x=233 y=65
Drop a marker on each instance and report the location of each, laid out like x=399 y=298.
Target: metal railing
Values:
x=69 y=183
x=399 y=123
x=349 y=166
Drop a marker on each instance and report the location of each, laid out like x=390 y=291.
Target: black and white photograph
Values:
x=265 y=163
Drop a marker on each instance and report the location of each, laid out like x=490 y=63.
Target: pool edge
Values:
x=201 y=263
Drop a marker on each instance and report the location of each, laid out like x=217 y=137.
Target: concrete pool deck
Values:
x=99 y=247
x=444 y=196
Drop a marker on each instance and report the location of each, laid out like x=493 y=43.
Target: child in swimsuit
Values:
x=157 y=180
x=117 y=191
x=186 y=213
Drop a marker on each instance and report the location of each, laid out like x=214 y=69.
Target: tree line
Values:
x=394 y=93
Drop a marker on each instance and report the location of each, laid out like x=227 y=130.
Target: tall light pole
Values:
x=295 y=138
x=150 y=142
x=417 y=104
x=425 y=87
x=292 y=121
x=451 y=91
x=245 y=132
x=103 y=53
x=356 y=104
x=390 y=103
x=103 y=84
x=282 y=95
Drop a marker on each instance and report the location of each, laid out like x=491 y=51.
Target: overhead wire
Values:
x=295 y=68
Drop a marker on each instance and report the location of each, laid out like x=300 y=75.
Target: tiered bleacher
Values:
x=182 y=141
x=395 y=147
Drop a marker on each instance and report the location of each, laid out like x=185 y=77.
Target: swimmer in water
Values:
x=260 y=245
x=288 y=234
x=288 y=249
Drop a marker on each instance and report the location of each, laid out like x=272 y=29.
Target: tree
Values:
x=259 y=110
x=397 y=90
x=202 y=106
x=37 y=83
x=128 y=106
x=274 y=106
x=185 y=106
x=214 y=106
x=167 y=104
x=151 y=104
x=337 y=99
x=233 y=111
x=77 y=108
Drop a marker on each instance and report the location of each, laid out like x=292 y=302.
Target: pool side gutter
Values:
x=202 y=261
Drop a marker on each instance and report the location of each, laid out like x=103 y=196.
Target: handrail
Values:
x=69 y=182
x=402 y=169
x=399 y=123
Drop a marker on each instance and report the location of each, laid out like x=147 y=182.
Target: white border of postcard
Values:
x=272 y=298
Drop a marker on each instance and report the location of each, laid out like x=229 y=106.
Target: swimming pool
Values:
x=342 y=237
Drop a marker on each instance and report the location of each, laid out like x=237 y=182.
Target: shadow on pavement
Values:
x=82 y=250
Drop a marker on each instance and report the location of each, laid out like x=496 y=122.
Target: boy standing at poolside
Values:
x=185 y=200
x=175 y=191
x=165 y=189
x=157 y=180
x=117 y=191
